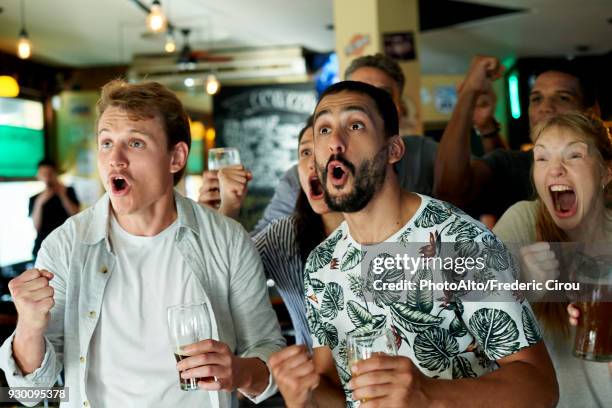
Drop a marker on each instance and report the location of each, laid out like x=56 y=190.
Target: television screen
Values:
x=22 y=142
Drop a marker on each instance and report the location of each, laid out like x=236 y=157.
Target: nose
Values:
x=118 y=159
x=337 y=142
x=557 y=168
x=311 y=162
x=547 y=106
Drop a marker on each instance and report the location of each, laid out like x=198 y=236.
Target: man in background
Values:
x=50 y=208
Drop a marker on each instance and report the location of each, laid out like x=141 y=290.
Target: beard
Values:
x=369 y=177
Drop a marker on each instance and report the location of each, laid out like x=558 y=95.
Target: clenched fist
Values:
x=33 y=298
x=295 y=375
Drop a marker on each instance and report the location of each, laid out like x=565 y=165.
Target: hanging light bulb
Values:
x=170 y=45
x=156 y=20
x=24 y=45
x=212 y=84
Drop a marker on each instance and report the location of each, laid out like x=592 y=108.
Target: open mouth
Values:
x=564 y=200
x=337 y=173
x=316 y=190
x=119 y=185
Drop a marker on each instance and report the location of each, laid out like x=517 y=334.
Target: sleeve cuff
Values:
x=270 y=390
x=43 y=376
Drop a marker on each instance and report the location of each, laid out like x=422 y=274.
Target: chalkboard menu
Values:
x=263 y=122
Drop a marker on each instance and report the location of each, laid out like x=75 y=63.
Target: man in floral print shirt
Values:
x=450 y=352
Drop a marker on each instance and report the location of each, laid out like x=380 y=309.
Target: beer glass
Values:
x=594 y=332
x=187 y=324
x=365 y=344
x=221 y=157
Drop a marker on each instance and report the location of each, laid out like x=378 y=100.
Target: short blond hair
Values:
x=149 y=100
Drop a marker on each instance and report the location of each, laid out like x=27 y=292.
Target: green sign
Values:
x=20 y=151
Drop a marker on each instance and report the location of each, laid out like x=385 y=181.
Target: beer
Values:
x=190 y=384
x=594 y=331
x=187 y=324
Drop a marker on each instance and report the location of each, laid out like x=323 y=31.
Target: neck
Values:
x=387 y=212
x=331 y=220
x=593 y=227
x=149 y=221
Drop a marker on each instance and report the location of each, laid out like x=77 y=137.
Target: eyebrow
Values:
x=351 y=108
x=570 y=144
x=132 y=131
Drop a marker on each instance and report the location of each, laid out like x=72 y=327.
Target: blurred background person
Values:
x=572 y=171
x=502 y=177
x=50 y=208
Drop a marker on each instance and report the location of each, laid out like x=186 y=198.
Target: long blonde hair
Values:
x=553 y=315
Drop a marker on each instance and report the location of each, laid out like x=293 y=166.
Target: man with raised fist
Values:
x=96 y=302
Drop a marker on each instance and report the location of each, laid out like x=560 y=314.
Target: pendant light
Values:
x=24 y=45
x=156 y=20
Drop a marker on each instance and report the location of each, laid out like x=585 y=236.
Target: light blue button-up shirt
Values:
x=215 y=248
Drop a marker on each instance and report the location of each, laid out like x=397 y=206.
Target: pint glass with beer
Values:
x=594 y=332
x=187 y=324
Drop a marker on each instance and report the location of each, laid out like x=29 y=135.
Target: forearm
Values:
x=70 y=207
x=253 y=376
x=517 y=384
x=327 y=395
x=28 y=350
x=452 y=173
x=37 y=215
x=230 y=211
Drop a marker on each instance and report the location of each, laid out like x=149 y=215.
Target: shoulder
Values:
x=419 y=142
x=280 y=233
x=322 y=254
x=208 y=221
x=518 y=223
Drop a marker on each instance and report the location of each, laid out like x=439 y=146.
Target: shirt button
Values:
x=82 y=359
x=91 y=314
x=85 y=403
x=104 y=269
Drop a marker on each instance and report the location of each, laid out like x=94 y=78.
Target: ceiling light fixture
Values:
x=24 y=45
x=212 y=84
x=156 y=20
x=170 y=45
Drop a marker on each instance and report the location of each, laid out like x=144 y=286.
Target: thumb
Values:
x=45 y=273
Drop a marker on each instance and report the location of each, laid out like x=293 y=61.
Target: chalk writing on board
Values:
x=263 y=123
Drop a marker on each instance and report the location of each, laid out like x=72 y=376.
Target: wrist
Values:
x=25 y=333
x=434 y=395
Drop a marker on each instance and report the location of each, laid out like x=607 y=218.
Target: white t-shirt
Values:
x=131 y=357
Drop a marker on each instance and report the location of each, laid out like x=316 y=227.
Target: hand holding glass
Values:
x=363 y=345
x=188 y=324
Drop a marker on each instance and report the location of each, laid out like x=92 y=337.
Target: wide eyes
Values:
x=138 y=144
x=105 y=144
x=357 y=126
x=305 y=153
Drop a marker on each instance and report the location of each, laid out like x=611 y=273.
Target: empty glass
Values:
x=365 y=344
x=221 y=157
x=187 y=324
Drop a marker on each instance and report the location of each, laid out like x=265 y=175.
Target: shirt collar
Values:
x=100 y=221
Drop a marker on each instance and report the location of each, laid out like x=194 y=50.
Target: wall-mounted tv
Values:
x=22 y=139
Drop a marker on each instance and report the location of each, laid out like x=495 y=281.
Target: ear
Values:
x=593 y=111
x=396 y=149
x=607 y=178
x=178 y=157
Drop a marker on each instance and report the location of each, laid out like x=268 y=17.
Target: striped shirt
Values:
x=280 y=255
